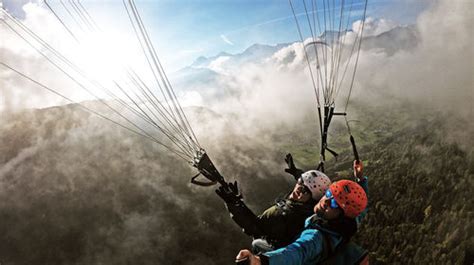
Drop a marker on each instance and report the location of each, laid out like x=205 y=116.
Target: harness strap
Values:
x=327 y=249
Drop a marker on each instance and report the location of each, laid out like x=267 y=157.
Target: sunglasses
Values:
x=333 y=203
x=303 y=189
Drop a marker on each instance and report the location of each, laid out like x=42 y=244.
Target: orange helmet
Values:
x=350 y=196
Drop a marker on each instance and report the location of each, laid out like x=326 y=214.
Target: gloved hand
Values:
x=358 y=169
x=229 y=194
x=296 y=172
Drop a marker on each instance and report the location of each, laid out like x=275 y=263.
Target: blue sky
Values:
x=183 y=30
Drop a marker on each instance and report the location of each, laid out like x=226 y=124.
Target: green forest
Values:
x=421 y=184
x=74 y=190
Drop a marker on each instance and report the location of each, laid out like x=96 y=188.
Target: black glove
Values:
x=296 y=172
x=229 y=194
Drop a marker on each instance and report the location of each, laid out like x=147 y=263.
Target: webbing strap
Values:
x=327 y=249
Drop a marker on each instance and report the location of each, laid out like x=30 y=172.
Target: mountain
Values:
x=205 y=73
x=330 y=36
x=76 y=189
x=98 y=194
x=392 y=41
x=254 y=54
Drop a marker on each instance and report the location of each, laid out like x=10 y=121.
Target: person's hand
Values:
x=358 y=169
x=296 y=172
x=245 y=254
x=230 y=194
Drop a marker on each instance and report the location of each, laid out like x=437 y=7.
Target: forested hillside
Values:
x=421 y=185
x=77 y=190
x=421 y=178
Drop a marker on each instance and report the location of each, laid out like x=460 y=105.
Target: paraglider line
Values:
x=92 y=111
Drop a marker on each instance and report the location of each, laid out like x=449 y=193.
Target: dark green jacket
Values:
x=280 y=224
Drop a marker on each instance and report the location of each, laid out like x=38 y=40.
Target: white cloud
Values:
x=438 y=72
x=292 y=56
x=100 y=56
x=226 y=40
x=14 y=51
x=435 y=74
x=191 y=98
x=374 y=27
x=219 y=64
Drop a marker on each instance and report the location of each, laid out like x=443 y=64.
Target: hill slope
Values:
x=74 y=191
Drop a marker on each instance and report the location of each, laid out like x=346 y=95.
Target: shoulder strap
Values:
x=347 y=252
x=328 y=250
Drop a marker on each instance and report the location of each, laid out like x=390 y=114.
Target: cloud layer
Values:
x=96 y=194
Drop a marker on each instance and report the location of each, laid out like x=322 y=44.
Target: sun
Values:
x=107 y=56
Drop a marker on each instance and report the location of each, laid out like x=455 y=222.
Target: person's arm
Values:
x=239 y=212
x=245 y=218
x=307 y=248
x=363 y=182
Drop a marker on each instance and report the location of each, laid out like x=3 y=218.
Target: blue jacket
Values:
x=308 y=248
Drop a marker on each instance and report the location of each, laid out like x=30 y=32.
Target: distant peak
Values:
x=256 y=46
x=199 y=60
x=223 y=54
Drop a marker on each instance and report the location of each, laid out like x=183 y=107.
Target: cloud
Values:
x=15 y=7
x=425 y=73
x=97 y=194
x=226 y=40
x=16 y=161
x=436 y=72
x=429 y=67
x=14 y=51
x=219 y=64
x=428 y=72
x=374 y=27
x=191 y=98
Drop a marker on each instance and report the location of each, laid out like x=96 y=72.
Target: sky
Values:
x=183 y=30
x=83 y=182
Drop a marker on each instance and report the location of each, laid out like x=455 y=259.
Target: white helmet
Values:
x=317 y=182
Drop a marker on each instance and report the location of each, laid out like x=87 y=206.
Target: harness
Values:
x=345 y=253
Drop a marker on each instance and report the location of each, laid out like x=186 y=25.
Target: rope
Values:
x=332 y=21
x=306 y=54
x=339 y=81
x=318 y=68
x=37 y=38
x=149 y=137
x=71 y=15
x=61 y=21
x=80 y=14
x=86 y=16
x=338 y=52
x=152 y=122
x=143 y=88
x=155 y=103
x=137 y=111
x=167 y=84
x=357 y=58
x=172 y=114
